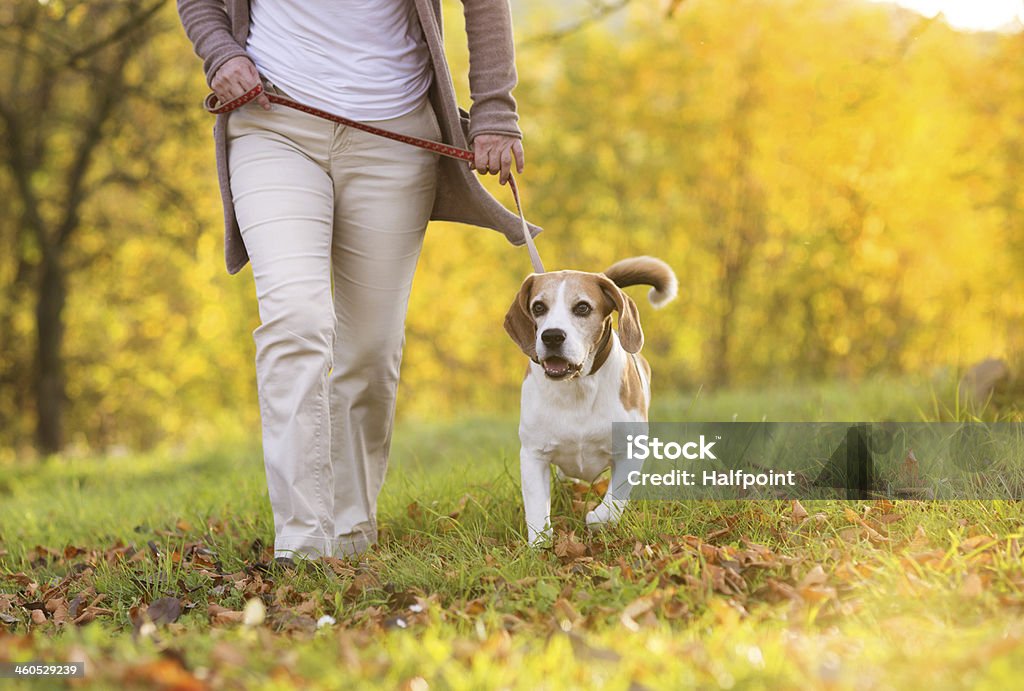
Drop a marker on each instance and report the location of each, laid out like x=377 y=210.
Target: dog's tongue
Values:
x=556 y=367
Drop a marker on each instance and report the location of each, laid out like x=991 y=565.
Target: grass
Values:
x=760 y=594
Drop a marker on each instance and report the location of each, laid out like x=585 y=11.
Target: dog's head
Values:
x=559 y=319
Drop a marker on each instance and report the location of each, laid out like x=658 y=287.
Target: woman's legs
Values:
x=317 y=201
x=384 y=192
x=284 y=201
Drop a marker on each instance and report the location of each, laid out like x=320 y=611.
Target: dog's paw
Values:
x=542 y=540
x=605 y=513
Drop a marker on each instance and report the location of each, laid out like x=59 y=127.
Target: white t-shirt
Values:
x=362 y=59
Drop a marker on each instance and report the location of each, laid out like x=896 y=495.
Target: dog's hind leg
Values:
x=615 y=498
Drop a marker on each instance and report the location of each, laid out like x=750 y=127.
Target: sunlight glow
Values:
x=972 y=15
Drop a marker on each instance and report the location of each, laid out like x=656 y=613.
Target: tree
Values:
x=73 y=69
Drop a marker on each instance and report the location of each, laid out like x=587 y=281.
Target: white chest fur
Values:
x=569 y=423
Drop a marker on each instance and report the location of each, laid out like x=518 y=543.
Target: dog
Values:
x=582 y=376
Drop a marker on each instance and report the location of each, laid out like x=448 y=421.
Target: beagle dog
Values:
x=582 y=376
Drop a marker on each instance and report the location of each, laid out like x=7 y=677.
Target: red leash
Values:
x=213 y=106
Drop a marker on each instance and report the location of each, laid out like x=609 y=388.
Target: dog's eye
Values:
x=582 y=309
x=539 y=308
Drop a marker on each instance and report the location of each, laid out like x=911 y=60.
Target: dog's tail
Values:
x=647 y=271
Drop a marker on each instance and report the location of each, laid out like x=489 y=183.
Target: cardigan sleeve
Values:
x=492 y=68
x=208 y=27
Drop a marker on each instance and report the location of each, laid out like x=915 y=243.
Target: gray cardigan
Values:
x=219 y=30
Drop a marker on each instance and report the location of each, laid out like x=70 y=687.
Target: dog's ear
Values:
x=518 y=322
x=630 y=334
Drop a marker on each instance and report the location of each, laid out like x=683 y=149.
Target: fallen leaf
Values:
x=910 y=470
x=222 y=616
x=815 y=576
x=164 y=610
x=634 y=609
x=797 y=513
x=977 y=542
x=567 y=547
x=972 y=586
x=475 y=607
x=164 y=673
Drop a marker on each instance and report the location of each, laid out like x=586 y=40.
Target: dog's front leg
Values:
x=535 y=474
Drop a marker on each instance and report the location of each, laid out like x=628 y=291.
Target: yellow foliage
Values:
x=836 y=185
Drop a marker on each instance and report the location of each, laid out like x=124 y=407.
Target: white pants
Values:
x=333 y=219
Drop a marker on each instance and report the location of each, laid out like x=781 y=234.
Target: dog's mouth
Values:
x=559 y=368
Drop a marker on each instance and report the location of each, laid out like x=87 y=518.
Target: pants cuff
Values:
x=354 y=544
x=303 y=546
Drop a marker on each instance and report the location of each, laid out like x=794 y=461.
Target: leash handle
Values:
x=213 y=106
x=538 y=265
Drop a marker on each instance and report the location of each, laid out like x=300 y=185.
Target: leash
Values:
x=213 y=106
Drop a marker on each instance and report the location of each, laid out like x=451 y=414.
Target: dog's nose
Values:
x=552 y=337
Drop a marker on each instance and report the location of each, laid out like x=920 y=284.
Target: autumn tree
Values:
x=74 y=73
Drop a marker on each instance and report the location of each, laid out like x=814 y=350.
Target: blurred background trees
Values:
x=835 y=182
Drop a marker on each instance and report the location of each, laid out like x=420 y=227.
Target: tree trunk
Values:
x=49 y=374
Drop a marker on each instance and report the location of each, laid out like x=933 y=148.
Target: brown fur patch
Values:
x=631 y=390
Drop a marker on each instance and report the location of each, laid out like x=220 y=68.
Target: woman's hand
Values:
x=234 y=78
x=493 y=154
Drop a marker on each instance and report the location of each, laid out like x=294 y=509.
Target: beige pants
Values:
x=333 y=219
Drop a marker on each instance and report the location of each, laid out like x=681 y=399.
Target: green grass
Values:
x=685 y=594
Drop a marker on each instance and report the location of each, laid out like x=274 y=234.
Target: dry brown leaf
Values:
x=715 y=534
x=164 y=673
x=972 y=586
x=90 y=613
x=307 y=606
x=815 y=576
x=567 y=547
x=909 y=473
x=475 y=607
x=674 y=609
x=849 y=534
x=977 y=542
x=783 y=590
x=70 y=552
x=817 y=593
x=634 y=609
x=797 y=511
x=164 y=610
x=934 y=557
x=222 y=616
x=58 y=607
